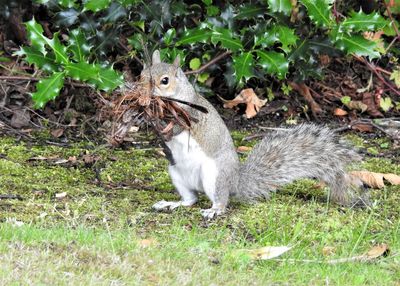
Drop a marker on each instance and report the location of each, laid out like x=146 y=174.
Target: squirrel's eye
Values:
x=165 y=80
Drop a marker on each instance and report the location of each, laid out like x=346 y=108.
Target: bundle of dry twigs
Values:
x=138 y=104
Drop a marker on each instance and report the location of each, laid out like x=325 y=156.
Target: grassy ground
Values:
x=88 y=221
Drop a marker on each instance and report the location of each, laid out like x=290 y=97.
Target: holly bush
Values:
x=261 y=39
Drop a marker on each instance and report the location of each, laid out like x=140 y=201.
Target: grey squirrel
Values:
x=204 y=159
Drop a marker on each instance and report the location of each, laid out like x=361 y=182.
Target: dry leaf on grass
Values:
x=376 y=180
x=242 y=149
x=268 y=252
x=328 y=250
x=248 y=97
x=147 y=242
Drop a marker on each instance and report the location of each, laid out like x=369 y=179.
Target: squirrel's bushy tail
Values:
x=305 y=151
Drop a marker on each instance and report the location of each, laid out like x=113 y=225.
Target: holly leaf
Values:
x=364 y=22
x=78 y=45
x=59 y=49
x=33 y=56
x=136 y=41
x=225 y=37
x=248 y=11
x=356 y=44
x=273 y=63
x=243 y=66
x=107 y=79
x=281 y=34
x=48 y=89
x=169 y=36
x=35 y=35
x=38 y=41
x=96 y=5
x=105 y=40
x=319 y=11
x=113 y=13
x=66 y=18
x=281 y=6
x=194 y=36
x=82 y=71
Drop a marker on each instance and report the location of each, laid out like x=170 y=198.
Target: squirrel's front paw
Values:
x=211 y=213
x=164 y=205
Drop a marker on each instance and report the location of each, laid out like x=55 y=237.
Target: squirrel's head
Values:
x=164 y=79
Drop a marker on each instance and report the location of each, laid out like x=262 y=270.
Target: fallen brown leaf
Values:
x=268 y=252
x=328 y=250
x=392 y=178
x=147 y=242
x=339 y=112
x=375 y=180
x=243 y=149
x=357 y=105
x=57 y=133
x=377 y=251
x=248 y=97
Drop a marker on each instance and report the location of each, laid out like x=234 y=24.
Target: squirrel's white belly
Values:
x=193 y=169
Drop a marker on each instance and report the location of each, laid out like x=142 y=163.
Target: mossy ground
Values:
x=103 y=231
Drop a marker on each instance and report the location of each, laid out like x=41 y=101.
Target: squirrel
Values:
x=204 y=159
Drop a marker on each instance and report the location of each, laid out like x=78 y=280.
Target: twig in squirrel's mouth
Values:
x=137 y=104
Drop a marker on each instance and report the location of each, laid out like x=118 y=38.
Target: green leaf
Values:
x=38 y=41
x=66 y=3
x=82 y=71
x=48 y=89
x=203 y=77
x=194 y=63
x=59 y=50
x=273 y=63
x=212 y=11
x=281 y=34
x=345 y=99
x=248 y=11
x=66 y=18
x=385 y=103
x=169 y=36
x=243 y=66
x=96 y=5
x=195 y=36
x=114 y=12
x=358 y=45
x=282 y=6
x=225 y=37
x=364 y=22
x=78 y=45
x=136 y=41
x=35 y=35
x=395 y=76
x=33 y=56
x=319 y=11
x=107 y=79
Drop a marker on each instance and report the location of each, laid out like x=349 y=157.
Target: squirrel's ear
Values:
x=156 y=57
x=177 y=61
